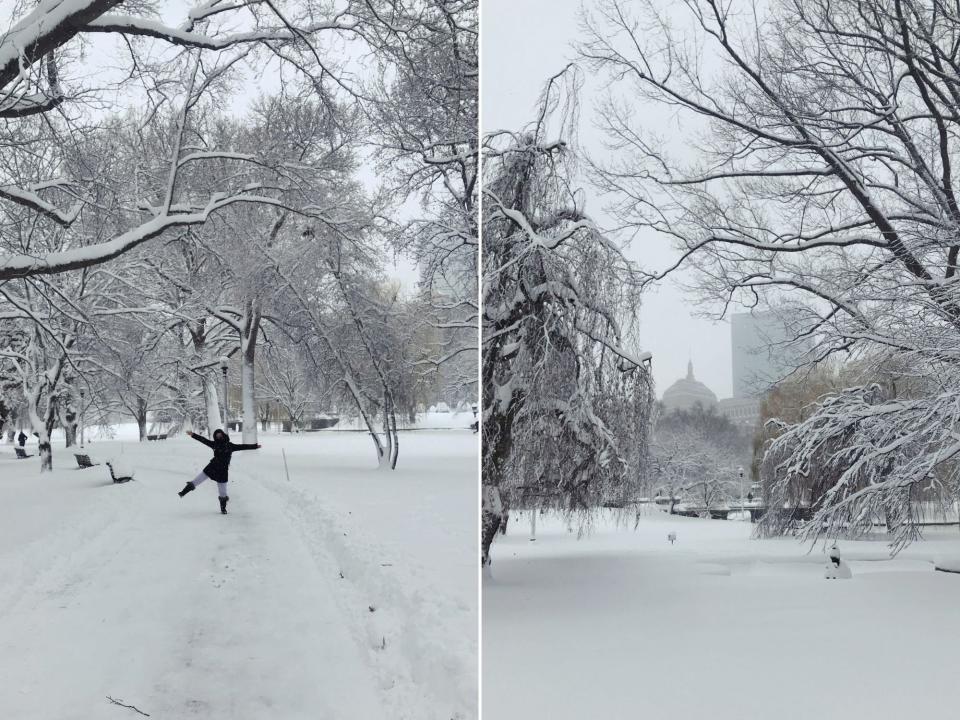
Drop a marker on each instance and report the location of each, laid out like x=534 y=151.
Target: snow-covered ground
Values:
x=621 y=624
x=345 y=592
x=433 y=420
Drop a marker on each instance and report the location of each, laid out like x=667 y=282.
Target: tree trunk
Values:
x=43 y=439
x=247 y=376
x=38 y=425
x=142 y=418
x=70 y=432
x=213 y=403
x=46 y=452
x=198 y=333
x=491 y=517
x=396 y=437
x=51 y=422
x=263 y=412
x=387 y=457
x=68 y=421
x=391 y=447
x=387 y=436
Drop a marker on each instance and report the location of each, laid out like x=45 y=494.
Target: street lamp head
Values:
x=224 y=362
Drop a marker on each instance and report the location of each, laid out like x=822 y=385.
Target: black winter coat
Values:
x=217 y=469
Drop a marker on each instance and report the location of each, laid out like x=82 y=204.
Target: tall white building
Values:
x=759 y=353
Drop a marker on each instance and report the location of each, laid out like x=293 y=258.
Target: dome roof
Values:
x=687 y=392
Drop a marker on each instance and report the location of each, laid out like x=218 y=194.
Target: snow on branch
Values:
x=48 y=26
x=16 y=265
x=130 y=25
x=53 y=23
x=32 y=200
x=30 y=104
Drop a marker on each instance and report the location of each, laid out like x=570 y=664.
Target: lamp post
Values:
x=224 y=364
x=82 y=406
x=741 y=492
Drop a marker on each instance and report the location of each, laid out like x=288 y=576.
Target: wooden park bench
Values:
x=84 y=461
x=118 y=478
x=21 y=453
x=162 y=436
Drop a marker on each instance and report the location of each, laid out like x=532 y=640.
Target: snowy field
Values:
x=621 y=624
x=345 y=592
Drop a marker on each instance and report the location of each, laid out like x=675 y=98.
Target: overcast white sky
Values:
x=522 y=44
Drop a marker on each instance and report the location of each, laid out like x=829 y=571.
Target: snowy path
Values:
x=164 y=604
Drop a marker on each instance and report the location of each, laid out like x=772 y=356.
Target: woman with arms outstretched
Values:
x=216 y=469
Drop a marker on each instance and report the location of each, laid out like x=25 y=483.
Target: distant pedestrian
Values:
x=22 y=439
x=216 y=469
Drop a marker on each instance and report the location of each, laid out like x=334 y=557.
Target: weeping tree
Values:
x=855 y=468
x=566 y=399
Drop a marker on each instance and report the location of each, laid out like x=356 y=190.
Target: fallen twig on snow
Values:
x=132 y=707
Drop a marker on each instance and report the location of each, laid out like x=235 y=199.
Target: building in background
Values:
x=761 y=356
x=688 y=392
x=743 y=412
x=760 y=353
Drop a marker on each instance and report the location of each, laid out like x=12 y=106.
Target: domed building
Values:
x=687 y=392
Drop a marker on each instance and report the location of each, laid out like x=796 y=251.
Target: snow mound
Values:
x=947 y=563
